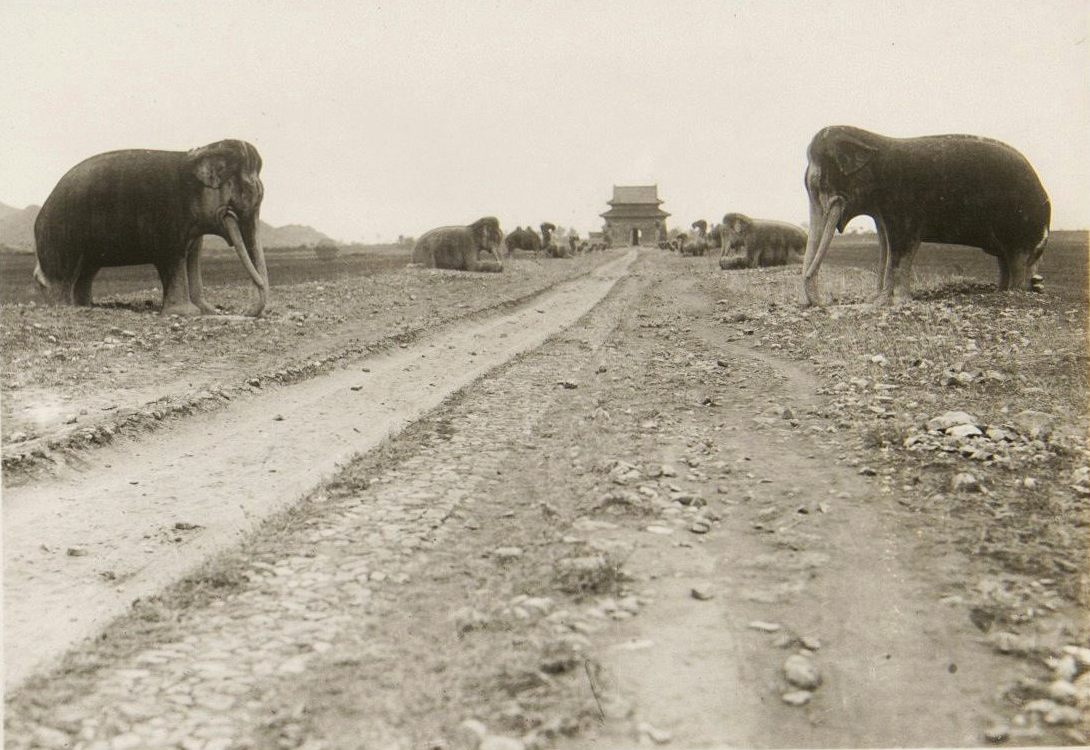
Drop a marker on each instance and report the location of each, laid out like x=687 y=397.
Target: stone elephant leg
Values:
x=175 y=280
x=902 y=281
x=81 y=287
x=1004 y=272
x=753 y=255
x=193 y=276
x=883 y=258
x=1020 y=273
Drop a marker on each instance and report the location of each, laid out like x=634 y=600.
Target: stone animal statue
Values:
x=956 y=189
x=523 y=239
x=698 y=245
x=758 y=242
x=459 y=247
x=548 y=244
x=128 y=208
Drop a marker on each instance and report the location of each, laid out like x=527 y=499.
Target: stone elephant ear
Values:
x=214 y=163
x=210 y=164
x=736 y=222
x=486 y=231
x=850 y=153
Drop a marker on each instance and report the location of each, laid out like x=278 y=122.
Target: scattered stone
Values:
x=506 y=554
x=1080 y=653
x=1036 y=424
x=687 y=498
x=997 y=733
x=660 y=529
x=540 y=604
x=797 y=697
x=1062 y=691
x=634 y=645
x=1064 y=668
x=77 y=552
x=294 y=665
x=964 y=431
x=658 y=736
x=950 y=419
x=965 y=482
x=500 y=742
x=810 y=642
x=467 y=618
x=558 y=657
x=126 y=741
x=702 y=592
x=765 y=627
x=1063 y=716
x=801 y=672
x=957 y=378
x=867 y=471
x=700 y=527
x=52 y=739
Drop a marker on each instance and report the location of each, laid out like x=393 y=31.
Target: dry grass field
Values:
x=287 y=266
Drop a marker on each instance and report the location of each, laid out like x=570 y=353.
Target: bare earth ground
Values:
x=644 y=532
x=75 y=377
x=223 y=471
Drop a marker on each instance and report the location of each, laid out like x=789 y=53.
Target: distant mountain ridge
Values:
x=17 y=226
x=17 y=231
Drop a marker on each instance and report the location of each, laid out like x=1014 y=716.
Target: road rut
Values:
x=80 y=549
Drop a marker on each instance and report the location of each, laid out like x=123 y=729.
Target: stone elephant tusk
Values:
x=832 y=219
x=260 y=282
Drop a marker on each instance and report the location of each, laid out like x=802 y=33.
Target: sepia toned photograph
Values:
x=545 y=375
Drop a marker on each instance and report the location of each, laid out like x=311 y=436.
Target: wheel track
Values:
x=78 y=550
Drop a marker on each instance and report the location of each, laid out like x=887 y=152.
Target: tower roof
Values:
x=635 y=194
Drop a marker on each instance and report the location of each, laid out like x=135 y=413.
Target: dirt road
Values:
x=79 y=550
x=643 y=531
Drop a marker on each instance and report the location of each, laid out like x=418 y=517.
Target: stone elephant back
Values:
x=523 y=239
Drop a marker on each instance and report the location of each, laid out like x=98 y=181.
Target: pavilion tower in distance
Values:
x=634 y=216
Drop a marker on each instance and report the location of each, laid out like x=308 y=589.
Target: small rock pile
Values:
x=1023 y=439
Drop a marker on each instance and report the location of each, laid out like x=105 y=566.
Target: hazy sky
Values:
x=381 y=119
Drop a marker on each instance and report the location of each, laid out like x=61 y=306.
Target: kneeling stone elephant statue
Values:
x=128 y=208
x=459 y=247
x=759 y=242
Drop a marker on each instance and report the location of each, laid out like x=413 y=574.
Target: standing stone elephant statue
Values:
x=128 y=208
x=758 y=242
x=956 y=189
x=459 y=247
